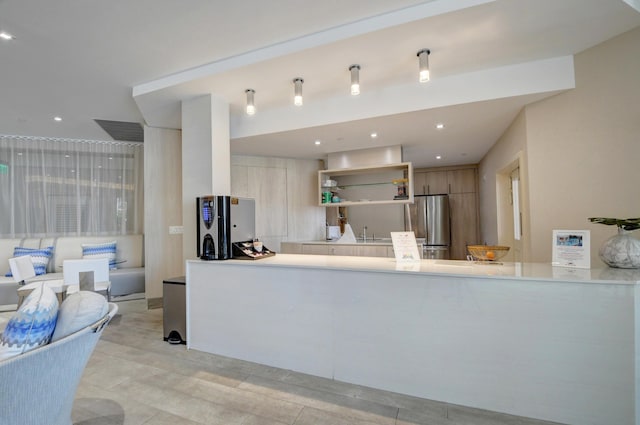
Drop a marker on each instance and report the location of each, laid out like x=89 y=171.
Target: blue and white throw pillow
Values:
x=39 y=257
x=32 y=325
x=101 y=250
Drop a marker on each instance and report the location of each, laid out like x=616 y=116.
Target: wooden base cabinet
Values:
x=358 y=249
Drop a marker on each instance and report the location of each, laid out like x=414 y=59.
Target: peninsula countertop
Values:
x=359 y=242
x=493 y=270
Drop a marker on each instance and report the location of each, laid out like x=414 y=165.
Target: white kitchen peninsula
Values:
x=527 y=339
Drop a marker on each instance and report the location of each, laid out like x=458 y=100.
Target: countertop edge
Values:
x=542 y=272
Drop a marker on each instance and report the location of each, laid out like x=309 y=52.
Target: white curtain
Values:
x=58 y=187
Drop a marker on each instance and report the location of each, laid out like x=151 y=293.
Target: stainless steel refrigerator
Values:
x=431 y=220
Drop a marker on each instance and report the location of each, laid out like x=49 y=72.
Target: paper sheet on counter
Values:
x=348 y=236
x=405 y=247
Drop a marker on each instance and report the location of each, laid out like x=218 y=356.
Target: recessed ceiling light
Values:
x=67 y=156
x=57 y=119
x=6 y=36
x=438 y=157
x=317 y=142
x=439 y=126
x=374 y=135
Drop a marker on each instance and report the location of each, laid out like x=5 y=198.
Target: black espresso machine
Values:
x=222 y=220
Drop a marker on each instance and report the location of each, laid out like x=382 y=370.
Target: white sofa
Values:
x=127 y=279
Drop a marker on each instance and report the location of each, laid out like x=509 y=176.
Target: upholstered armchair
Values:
x=38 y=386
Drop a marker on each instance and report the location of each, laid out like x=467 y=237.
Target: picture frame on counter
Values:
x=571 y=248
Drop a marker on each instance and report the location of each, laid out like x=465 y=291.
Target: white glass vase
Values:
x=621 y=251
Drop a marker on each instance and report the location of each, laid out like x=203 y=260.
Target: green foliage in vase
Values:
x=623 y=223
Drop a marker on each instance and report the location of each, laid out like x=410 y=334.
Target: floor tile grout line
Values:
x=299 y=414
x=328 y=392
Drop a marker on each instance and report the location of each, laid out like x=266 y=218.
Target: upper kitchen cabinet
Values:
x=462 y=180
x=445 y=181
x=431 y=183
x=383 y=184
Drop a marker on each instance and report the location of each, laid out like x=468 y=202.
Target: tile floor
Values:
x=136 y=378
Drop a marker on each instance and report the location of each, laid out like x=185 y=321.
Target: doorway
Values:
x=509 y=210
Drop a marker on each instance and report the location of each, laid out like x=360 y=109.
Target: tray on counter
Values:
x=244 y=251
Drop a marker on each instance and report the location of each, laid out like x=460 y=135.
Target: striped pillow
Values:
x=100 y=250
x=32 y=325
x=39 y=257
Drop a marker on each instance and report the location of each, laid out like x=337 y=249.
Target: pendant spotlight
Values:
x=423 y=62
x=297 y=98
x=251 y=107
x=355 y=79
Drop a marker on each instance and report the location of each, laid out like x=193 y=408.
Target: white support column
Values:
x=206 y=159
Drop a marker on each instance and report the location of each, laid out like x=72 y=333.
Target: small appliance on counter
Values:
x=221 y=220
x=251 y=250
x=333 y=233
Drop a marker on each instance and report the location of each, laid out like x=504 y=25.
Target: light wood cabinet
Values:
x=326 y=249
x=360 y=250
x=462 y=181
x=431 y=183
x=464 y=223
x=372 y=251
x=349 y=250
x=291 y=248
x=444 y=182
x=314 y=249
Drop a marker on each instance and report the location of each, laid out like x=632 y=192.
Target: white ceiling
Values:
x=87 y=60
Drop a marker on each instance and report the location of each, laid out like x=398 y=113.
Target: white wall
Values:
x=582 y=148
x=509 y=148
x=380 y=220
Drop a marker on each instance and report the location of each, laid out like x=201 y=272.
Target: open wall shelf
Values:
x=383 y=184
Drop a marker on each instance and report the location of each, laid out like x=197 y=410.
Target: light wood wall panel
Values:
x=266 y=187
x=284 y=190
x=163 y=201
